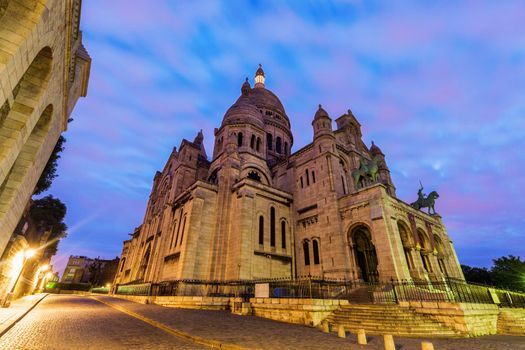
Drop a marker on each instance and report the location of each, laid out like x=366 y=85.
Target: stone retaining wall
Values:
x=511 y=321
x=308 y=312
x=185 y=302
x=468 y=319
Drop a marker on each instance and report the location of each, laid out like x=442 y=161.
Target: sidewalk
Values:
x=18 y=308
x=225 y=330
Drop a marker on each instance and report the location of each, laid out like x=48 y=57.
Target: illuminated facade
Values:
x=257 y=210
x=44 y=69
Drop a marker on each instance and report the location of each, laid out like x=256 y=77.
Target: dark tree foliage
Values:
x=507 y=272
x=50 y=170
x=48 y=213
x=477 y=274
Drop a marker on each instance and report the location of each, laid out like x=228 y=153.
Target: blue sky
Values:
x=438 y=85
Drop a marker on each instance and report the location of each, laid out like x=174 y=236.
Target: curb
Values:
x=195 y=339
x=22 y=316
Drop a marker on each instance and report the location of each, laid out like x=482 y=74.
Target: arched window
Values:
x=278 y=144
x=302 y=184
x=286 y=148
x=261 y=230
x=183 y=227
x=283 y=234
x=173 y=234
x=406 y=242
x=258 y=147
x=315 y=244
x=307 y=178
x=254 y=176
x=306 y=252
x=239 y=139
x=178 y=229
x=269 y=141
x=313 y=176
x=252 y=142
x=423 y=241
x=343 y=182
x=123 y=262
x=272 y=226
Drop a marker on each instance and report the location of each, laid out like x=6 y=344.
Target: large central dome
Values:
x=257 y=103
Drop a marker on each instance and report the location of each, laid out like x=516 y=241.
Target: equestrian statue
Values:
x=367 y=169
x=425 y=201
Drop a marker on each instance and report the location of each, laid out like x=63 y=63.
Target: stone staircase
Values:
x=511 y=321
x=388 y=319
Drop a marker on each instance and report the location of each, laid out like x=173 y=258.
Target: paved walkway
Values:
x=82 y=322
x=258 y=333
x=61 y=322
x=18 y=308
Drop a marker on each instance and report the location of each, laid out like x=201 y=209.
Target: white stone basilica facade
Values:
x=256 y=210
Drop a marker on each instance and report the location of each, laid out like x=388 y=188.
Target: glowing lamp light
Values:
x=259 y=79
x=44 y=267
x=16 y=264
x=29 y=253
x=49 y=275
x=108 y=285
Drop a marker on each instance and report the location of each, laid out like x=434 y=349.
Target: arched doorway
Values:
x=364 y=253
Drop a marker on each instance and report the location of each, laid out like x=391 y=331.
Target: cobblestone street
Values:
x=75 y=322
x=81 y=322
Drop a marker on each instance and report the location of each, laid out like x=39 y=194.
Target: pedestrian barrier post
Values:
x=389 y=342
x=341 y=331
x=361 y=337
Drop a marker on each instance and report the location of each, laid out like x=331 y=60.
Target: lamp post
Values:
x=42 y=277
x=27 y=254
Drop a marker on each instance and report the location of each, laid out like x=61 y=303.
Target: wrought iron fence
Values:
x=100 y=290
x=142 y=289
x=457 y=291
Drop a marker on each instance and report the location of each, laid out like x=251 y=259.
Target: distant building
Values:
x=98 y=272
x=77 y=270
x=257 y=210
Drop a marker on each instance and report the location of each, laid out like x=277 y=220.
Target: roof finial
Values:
x=320 y=106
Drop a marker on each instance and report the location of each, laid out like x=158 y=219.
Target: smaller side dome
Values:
x=374 y=150
x=321 y=113
x=243 y=111
x=246 y=87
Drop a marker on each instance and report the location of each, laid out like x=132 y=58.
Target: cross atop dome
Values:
x=259 y=77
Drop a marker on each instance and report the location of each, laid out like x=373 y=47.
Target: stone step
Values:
x=405 y=333
x=389 y=324
x=374 y=314
x=368 y=317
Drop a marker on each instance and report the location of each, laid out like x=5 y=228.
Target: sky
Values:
x=438 y=85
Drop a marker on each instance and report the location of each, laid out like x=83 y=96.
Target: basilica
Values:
x=256 y=210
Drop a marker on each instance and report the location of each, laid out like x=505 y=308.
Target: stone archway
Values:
x=364 y=253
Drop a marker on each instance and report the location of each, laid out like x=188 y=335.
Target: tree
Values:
x=477 y=274
x=50 y=170
x=48 y=214
x=509 y=272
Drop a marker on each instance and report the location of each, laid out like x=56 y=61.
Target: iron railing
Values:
x=449 y=290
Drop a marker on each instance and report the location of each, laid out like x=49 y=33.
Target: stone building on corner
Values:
x=44 y=69
x=256 y=210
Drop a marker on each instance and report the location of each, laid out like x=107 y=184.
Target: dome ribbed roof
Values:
x=243 y=111
x=321 y=113
x=264 y=98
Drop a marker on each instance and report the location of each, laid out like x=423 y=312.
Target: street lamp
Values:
x=19 y=264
